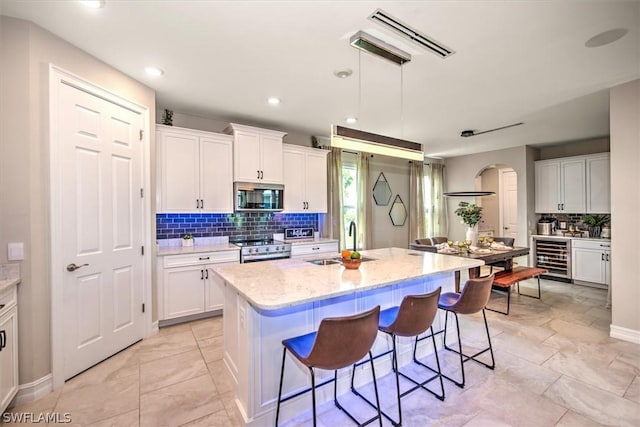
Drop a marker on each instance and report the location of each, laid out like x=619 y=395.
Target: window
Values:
x=349 y=189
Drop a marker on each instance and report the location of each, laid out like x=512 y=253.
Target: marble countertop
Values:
x=9 y=276
x=600 y=239
x=309 y=241
x=180 y=250
x=273 y=285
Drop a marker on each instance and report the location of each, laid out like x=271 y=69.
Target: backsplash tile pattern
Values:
x=247 y=225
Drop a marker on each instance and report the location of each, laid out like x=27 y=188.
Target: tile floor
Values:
x=555 y=365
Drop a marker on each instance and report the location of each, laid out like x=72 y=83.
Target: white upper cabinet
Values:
x=194 y=170
x=305 y=179
x=547 y=187
x=598 y=184
x=562 y=185
x=257 y=154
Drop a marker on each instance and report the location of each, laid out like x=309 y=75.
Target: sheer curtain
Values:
x=437 y=217
x=333 y=224
x=416 y=201
x=364 y=202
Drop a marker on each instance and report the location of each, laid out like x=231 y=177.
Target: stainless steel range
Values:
x=262 y=250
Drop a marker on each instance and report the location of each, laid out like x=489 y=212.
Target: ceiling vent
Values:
x=402 y=29
x=368 y=43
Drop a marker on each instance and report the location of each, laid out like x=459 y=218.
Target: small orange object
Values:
x=346 y=253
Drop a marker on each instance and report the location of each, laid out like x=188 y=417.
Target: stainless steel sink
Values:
x=330 y=261
x=323 y=261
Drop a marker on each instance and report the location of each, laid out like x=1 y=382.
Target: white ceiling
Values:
x=515 y=61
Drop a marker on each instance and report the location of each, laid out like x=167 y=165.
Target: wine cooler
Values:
x=554 y=255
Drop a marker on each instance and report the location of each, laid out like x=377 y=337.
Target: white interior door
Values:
x=508 y=181
x=101 y=177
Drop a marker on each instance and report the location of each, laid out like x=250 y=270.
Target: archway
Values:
x=500 y=212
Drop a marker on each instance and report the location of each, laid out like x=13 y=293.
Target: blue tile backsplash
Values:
x=248 y=225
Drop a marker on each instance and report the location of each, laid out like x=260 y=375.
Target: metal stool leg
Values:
x=284 y=355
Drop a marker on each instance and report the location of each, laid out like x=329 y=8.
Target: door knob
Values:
x=73 y=267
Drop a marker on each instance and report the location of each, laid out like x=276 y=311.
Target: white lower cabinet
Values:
x=188 y=285
x=591 y=261
x=299 y=250
x=8 y=347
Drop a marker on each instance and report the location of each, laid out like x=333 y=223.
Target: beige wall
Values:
x=384 y=233
x=211 y=124
x=625 y=205
x=461 y=173
x=25 y=55
x=577 y=148
x=490 y=205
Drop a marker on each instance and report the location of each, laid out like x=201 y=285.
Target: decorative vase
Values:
x=472 y=233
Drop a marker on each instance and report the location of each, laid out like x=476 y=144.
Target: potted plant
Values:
x=595 y=223
x=470 y=215
x=187 y=240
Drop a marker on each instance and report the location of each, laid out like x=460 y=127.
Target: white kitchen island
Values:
x=266 y=302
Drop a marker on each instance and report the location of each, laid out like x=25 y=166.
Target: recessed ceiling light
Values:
x=273 y=100
x=154 y=71
x=606 y=37
x=351 y=120
x=93 y=4
x=343 y=74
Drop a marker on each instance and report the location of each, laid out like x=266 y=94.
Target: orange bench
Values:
x=504 y=280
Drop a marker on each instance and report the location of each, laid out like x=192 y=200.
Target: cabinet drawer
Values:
x=591 y=244
x=314 y=248
x=201 y=258
x=8 y=299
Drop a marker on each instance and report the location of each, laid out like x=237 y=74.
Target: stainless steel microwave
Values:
x=253 y=197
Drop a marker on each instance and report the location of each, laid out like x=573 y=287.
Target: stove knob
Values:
x=268 y=248
x=249 y=250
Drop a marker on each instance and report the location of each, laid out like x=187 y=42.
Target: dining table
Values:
x=488 y=255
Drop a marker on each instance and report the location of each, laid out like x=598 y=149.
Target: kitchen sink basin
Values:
x=323 y=261
x=330 y=261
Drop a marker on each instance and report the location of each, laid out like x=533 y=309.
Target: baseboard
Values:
x=33 y=391
x=155 y=328
x=625 y=334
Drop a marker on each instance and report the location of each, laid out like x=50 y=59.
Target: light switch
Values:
x=15 y=251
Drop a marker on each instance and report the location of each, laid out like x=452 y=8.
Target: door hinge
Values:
x=143 y=307
x=141 y=193
x=141 y=134
x=142 y=250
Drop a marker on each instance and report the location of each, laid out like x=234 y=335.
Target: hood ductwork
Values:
x=398 y=27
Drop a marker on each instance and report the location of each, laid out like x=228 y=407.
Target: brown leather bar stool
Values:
x=474 y=298
x=413 y=317
x=338 y=343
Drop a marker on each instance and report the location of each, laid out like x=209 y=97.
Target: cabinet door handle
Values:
x=206 y=274
x=602 y=256
x=201 y=203
x=204 y=258
x=201 y=274
x=261 y=174
x=258 y=177
x=558 y=206
x=607 y=257
x=3 y=339
x=563 y=206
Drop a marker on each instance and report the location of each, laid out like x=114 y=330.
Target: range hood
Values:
x=358 y=140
